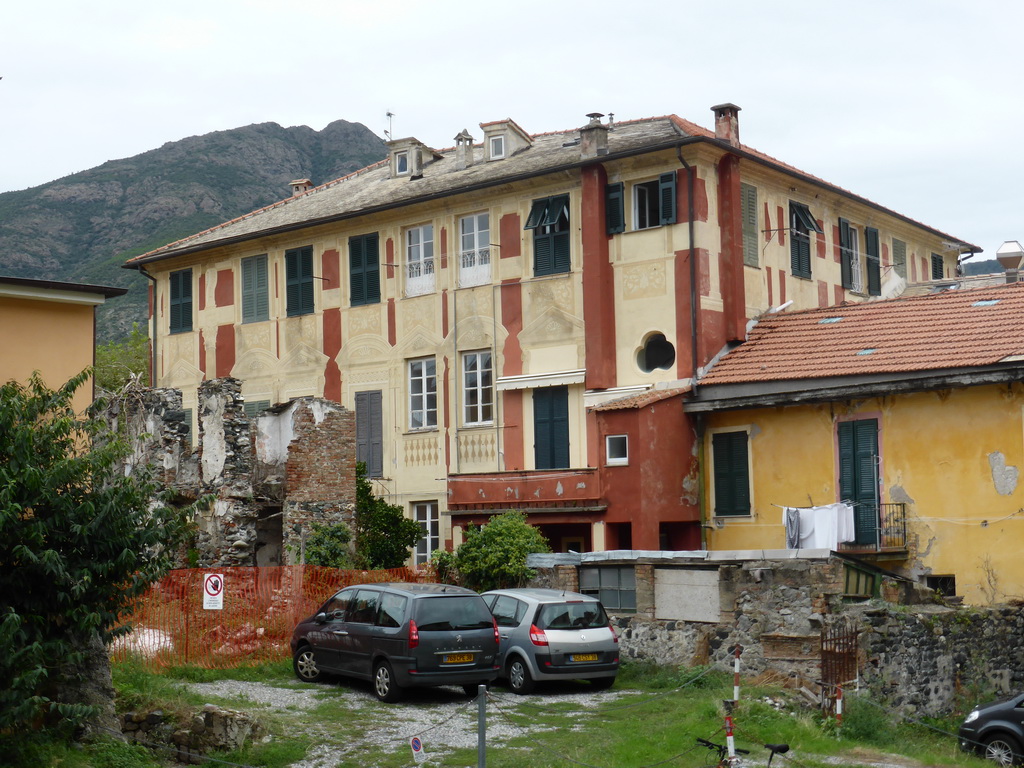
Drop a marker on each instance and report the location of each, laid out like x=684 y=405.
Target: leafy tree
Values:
x=79 y=542
x=329 y=545
x=384 y=535
x=118 y=362
x=493 y=556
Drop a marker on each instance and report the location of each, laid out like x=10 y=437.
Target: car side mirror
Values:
x=320 y=618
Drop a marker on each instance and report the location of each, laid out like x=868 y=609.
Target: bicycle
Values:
x=724 y=761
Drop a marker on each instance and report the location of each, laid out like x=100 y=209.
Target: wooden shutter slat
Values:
x=614 y=208
x=667 y=198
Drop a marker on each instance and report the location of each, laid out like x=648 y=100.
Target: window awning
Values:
x=803 y=215
x=534 y=381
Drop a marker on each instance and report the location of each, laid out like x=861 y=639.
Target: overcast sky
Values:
x=914 y=104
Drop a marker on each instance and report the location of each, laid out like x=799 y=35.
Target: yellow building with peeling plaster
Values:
x=913 y=410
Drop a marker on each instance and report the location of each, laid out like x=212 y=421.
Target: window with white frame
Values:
x=855 y=265
x=422 y=393
x=654 y=202
x=474 y=250
x=419 y=260
x=425 y=513
x=616 y=450
x=401 y=163
x=478 y=387
x=497 y=146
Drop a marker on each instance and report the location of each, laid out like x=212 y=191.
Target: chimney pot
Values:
x=299 y=186
x=727 y=123
x=594 y=137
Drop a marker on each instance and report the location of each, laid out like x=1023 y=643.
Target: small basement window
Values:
x=943 y=585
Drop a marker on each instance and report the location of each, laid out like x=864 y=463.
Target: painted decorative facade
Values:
x=480 y=308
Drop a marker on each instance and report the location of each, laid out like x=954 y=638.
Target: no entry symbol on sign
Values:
x=213 y=591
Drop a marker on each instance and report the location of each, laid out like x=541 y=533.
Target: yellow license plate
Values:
x=459 y=658
x=583 y=657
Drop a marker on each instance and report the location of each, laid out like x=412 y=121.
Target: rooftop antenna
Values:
x=389 y=115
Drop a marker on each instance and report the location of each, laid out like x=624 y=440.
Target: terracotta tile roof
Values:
x=372 y=188
x=640 y=400
x=951 y=330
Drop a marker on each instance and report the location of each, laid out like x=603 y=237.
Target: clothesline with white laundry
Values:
x=820 y=527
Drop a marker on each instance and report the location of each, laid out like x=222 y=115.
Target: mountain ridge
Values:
x=84 y=226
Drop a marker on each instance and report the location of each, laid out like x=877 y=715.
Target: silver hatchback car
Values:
x=550 y=634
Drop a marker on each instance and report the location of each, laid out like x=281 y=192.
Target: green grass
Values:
x=656 y=717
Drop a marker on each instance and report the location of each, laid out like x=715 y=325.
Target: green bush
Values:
x=329 y=545
x=384 y=535
x=493 y=556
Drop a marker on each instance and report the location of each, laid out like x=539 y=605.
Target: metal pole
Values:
x=736 y=676
x=481 y=726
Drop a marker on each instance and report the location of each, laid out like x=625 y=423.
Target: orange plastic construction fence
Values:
x=175 y=623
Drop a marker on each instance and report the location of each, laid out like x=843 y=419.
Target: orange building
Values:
x=50 y=327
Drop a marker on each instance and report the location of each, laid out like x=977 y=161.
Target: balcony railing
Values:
x=883 y=531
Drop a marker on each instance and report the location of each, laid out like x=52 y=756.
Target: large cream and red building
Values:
x=516 y=321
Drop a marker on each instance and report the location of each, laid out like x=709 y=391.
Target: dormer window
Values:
x=401 y=163
x=497 y=147
x=409 y=157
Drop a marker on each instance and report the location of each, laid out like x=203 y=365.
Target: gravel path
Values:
x=443 y=718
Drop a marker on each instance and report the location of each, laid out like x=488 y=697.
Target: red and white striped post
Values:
x=839 y=706
x=730 y=742
x=736 y=675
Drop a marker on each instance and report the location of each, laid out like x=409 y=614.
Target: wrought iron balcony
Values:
x=880 y=528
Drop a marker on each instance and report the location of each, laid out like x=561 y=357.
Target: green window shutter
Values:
x=874 y=266
x=370 y=432
x=899 y=257
x=667 y=197
x=364 y=269
x=255 y=289
x=845 y=254
x=799 y=240
x=180 y=304
x=537 y=214
x=299 y=281
x=560 y=251
x=858 y=452
x=748 y=213
x=729 y=452
x=614 y=208
x=306 y=281
x=554 y=212
x=543 y=258
x=372 y=268
x=938 y=271
x=357 y=270
x=551 y=427
x=256 y=407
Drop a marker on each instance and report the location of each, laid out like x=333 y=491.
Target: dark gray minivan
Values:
x=400 y=636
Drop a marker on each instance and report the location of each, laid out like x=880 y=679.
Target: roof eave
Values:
x=308 y=223
x=726 y=397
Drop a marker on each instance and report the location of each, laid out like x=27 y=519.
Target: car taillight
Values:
x=615 y=636
x=497 y=634
x=537 y=636
x=414 y=634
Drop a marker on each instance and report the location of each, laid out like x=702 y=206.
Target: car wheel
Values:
x=384 y=685
x=305 y=665
x=519 y=678
x=602 y=683
x=1003 y=749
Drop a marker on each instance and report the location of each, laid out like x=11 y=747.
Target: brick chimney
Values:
x=299 y=186
x=727 y=123
x=463 y=150
x=594 y=137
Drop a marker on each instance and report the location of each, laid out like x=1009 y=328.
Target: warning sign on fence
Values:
x=213 y=591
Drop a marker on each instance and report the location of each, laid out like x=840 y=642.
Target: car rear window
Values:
x=436 y=614
x=581 y=615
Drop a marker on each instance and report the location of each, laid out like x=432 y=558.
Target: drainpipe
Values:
x=152 y=376
x=693 y=268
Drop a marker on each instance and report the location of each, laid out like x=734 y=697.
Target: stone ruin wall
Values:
x=924 y=657
x=271 y=476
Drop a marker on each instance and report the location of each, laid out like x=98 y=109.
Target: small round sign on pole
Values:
x=419 y=755
x=213 y=591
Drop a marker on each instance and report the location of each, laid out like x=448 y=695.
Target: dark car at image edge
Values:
x=399 y=636
x=996 y=731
